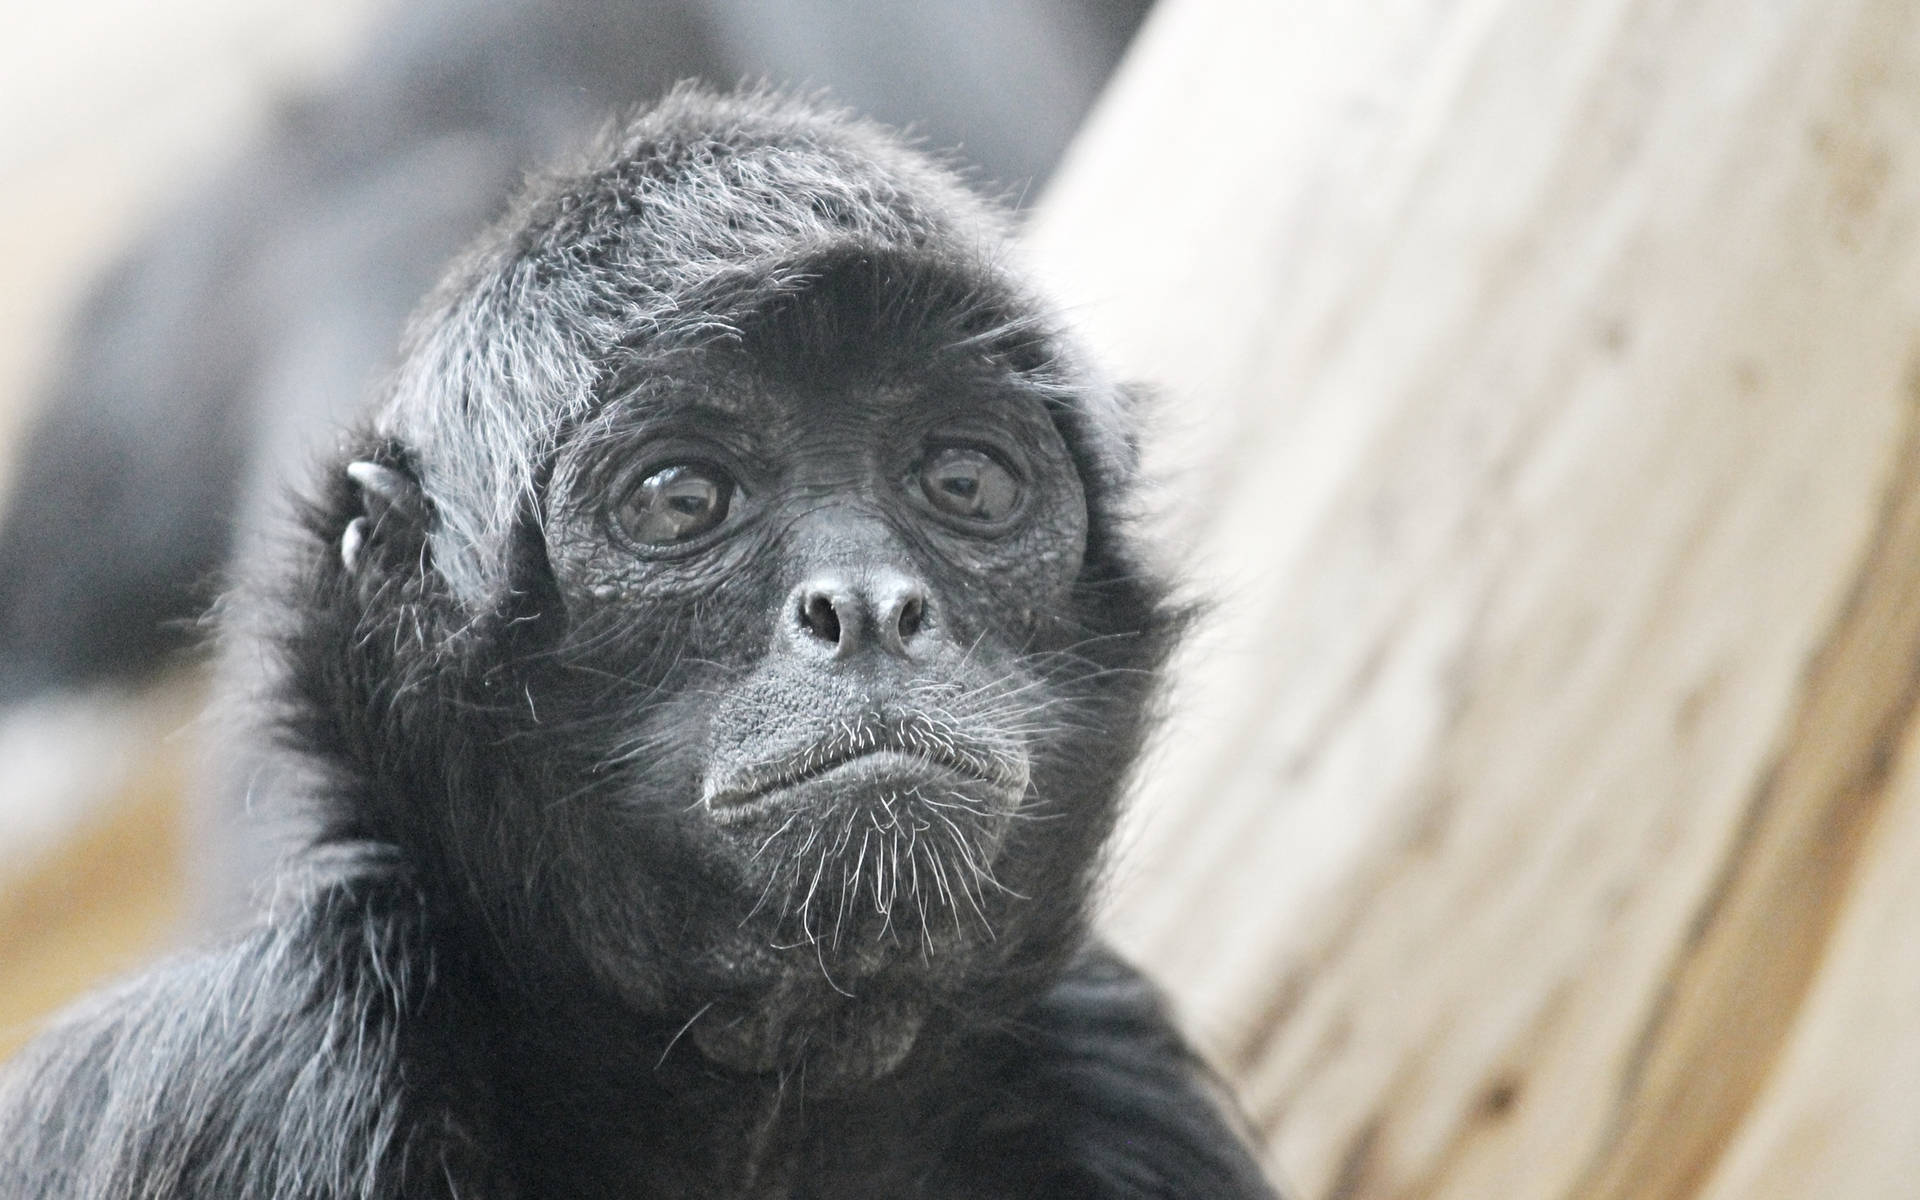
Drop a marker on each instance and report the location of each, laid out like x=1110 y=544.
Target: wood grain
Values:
x=1539 y=413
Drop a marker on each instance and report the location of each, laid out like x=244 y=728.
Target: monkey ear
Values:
x=393 y=507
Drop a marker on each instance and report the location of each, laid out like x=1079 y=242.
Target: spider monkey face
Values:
x=820 y=598
x=808 y=698
x=734 y=611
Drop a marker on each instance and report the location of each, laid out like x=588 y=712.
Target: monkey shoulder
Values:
x=296 y=1062
x=1098 y=1084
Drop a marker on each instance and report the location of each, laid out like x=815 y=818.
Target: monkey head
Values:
x=734 y=606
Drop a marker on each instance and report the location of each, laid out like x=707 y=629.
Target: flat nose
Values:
x=835 y=616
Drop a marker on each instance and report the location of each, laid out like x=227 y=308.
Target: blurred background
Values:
x=1540 y=414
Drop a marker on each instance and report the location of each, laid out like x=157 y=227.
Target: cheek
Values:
x=627 y=614
x=1054 y=550
x=1007 y=590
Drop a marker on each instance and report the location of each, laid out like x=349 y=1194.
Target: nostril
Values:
x=829 y=616
x=818 y=615
x=912 y=610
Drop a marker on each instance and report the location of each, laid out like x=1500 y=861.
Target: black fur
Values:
x=533 y=958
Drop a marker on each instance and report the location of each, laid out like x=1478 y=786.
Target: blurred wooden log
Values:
x=1542 y=410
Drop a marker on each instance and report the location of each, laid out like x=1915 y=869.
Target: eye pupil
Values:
x=970 y=484
x=675 y=504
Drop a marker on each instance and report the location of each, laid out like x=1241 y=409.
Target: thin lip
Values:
x=745 y=788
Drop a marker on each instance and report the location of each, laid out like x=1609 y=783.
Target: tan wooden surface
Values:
x=1543 y=411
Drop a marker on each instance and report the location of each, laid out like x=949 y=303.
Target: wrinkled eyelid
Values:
x=995 y=493
x=1007 y=458
x=670 y=480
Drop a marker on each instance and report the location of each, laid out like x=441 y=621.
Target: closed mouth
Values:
x=871 y=750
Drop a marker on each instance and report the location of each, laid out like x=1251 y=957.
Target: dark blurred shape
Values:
x=254 y=317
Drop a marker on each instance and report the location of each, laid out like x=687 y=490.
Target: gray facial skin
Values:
x=868 y=560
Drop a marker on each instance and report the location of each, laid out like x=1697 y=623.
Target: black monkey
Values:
x=718 y=665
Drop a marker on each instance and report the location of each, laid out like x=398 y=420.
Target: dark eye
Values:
x=970 y=484
x=675 y=504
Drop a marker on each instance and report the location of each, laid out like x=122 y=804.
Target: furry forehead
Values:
x=674 y=229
